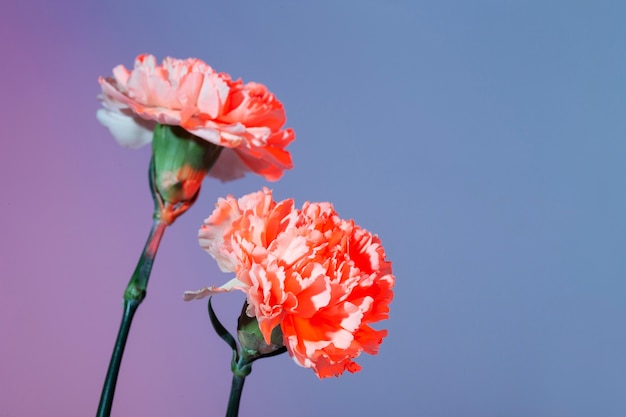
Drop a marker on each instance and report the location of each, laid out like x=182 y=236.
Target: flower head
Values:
x=246 y=119
x=322 y=279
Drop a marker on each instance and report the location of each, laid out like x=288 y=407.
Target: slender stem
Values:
x=133 y=296
x=108 y=389
x=241 y=365
x=235 y=395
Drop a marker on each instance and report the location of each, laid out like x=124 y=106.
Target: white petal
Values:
x=233 y=284
x=128 y=131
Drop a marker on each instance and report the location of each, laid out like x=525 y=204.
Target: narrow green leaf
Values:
x=221 y=330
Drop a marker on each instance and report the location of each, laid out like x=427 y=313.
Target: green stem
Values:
x=133 y=296
x=235 y=395
x=241 y=369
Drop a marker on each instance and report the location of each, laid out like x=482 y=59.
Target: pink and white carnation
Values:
x=246 y=119
x=322 y=279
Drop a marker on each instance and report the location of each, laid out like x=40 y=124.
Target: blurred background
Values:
x=484 y=142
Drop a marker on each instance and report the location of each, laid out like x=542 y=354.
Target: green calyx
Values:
x=251 y=339
x=181 y=161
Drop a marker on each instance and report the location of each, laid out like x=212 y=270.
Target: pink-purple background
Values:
x=483 y=141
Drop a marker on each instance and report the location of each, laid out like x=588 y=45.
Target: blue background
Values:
x=482 y=141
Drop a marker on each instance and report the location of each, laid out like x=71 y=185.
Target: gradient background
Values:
x=482 y=141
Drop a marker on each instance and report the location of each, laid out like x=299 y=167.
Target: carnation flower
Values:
x=246 y=119
x=322 y=279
